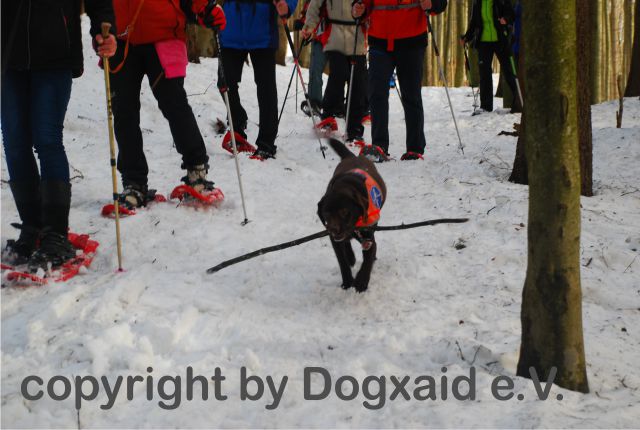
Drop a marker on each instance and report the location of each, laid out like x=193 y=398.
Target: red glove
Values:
x=212 y=16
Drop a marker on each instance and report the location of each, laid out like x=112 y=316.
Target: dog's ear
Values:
x=360 y=196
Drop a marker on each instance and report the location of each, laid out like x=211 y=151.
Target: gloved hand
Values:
x=212 y=16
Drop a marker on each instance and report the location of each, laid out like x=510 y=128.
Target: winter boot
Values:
x=197 y=178
x=262 y=155
x=27 y=198
x=55 y=249
x=242 y=145
x=134 y=196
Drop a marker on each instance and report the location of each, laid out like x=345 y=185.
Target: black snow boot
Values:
x=27 y=198
x=55 y=248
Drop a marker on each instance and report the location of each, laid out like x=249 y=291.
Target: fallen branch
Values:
x=323 y=233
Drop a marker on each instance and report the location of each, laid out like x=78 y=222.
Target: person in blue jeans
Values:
x=252 y=30
x=40 y=56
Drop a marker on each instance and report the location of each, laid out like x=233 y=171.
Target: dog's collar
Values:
x=374 y=196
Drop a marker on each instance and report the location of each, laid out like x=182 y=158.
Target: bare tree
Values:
x=552 y=301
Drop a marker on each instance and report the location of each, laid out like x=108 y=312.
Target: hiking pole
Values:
x=293 y=73
x=302 y=84
x=112 y=147
x=225 y=94
x=468 y=66
x=324 y=233
x=353 y=68
x=444 y=79
x=513 y=65
x=286 y=96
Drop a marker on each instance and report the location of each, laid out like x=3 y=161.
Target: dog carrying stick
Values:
x=323 y=233
x=112 y=148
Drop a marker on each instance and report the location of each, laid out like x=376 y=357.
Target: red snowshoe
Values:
x=242 y=145
x=125 y=209
x=327 y=125
x=86 y=251
x=190 y=197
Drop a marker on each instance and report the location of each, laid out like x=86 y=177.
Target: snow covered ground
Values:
x=429 y=305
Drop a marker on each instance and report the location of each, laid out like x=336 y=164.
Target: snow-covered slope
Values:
x=429 y=304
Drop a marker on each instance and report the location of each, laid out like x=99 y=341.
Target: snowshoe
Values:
x=18 y=251
x=356 y=141
x=242 y=145
x=262 y=155
x=130 y=199
x=479 y=111
x=327 y=125
x=374 y=153
x=409 y=155
x=84 y=250
x=197 y=191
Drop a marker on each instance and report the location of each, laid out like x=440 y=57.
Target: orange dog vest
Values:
x=374 y=194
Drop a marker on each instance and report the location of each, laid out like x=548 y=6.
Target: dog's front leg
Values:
x=361 y=283
x=343 y=262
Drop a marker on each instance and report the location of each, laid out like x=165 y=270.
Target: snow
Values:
x=429 y=304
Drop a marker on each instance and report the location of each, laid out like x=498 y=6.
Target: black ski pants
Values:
x=486 y=50
x=172 y=100
x=409 y=65
x=333 y=102
x=264 y=75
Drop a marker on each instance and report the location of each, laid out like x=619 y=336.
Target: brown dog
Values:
x=350 y=209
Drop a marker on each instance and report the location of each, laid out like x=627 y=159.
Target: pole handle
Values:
x=106 y=27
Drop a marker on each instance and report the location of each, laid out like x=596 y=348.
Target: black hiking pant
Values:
x=333 y=102
x=409 y=66
x=486 y=50
x=172 y=100
x=264 y=75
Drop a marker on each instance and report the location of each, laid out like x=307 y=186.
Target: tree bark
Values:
x=552 y=301
x=520 y=172
x=633 y=81
x=583 y=29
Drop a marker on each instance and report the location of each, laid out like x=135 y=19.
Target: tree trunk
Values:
x=552 y=302
x=633 y=82
x=583 y=21
x=520 y=172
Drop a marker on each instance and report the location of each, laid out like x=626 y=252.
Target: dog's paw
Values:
x=361 y=283
x=346 y=284
x=361 y=288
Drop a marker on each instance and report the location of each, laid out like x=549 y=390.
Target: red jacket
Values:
x=149 y=21
x=398 y=19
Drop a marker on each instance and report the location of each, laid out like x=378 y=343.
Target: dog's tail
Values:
x=340 y=149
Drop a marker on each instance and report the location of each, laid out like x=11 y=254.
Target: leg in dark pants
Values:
x=316 y=67
x=233 y=61
x=485 y=58
x=264 y=74
x=172 y=101
x=505 y=65
x=410 y=66
x=381 y=65
x=355 y=129
x=333 y=100
x=125 y=86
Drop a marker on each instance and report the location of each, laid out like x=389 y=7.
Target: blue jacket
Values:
x=251 y=24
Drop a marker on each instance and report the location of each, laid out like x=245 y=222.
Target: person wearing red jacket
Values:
x=152 y=42
x=397 y=39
